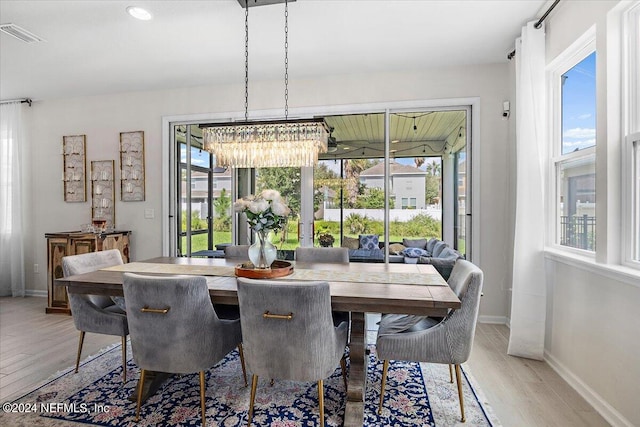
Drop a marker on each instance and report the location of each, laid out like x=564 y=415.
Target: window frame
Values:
x=630 y=137
x=578 y=51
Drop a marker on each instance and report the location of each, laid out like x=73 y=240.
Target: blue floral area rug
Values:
x=416 y=395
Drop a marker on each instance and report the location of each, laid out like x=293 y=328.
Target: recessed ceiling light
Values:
x=139 y=13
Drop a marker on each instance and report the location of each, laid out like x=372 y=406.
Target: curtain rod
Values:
x=537 y=25
x=16 y=101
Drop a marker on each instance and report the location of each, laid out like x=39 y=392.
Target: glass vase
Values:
x=262 y=253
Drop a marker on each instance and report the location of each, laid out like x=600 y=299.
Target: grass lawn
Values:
x=199 y=241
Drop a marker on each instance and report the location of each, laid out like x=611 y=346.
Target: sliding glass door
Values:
x=410 y=181
x=203 y=196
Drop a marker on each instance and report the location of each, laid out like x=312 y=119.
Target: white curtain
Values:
x=528 y=301
x=11 y=212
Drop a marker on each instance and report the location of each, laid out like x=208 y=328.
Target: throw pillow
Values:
x=439 y=247
x=396 y=248
x=415 y=243
x=350 y=242
x=369 y=241
x=414 y=252
x=431 y=243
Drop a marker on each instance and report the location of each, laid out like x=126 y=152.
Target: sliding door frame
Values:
x=169 y=154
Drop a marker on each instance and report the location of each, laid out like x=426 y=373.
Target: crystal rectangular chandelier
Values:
x=289 y=143
x=263 y=144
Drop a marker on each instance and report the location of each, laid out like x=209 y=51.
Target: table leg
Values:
x=152 y=382
x=354 y=412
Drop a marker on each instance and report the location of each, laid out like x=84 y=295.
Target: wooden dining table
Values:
x=355 y=287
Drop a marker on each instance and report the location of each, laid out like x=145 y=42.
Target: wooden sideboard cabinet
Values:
x=62 y=244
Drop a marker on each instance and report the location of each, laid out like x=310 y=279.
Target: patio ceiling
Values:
x=413 y=134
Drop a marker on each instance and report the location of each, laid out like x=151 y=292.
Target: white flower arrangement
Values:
x=266 y=211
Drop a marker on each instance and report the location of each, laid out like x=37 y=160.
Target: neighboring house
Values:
x=407 y=186
x=199 y=189
x=329 y=200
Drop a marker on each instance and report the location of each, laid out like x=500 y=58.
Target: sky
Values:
x=579 y=106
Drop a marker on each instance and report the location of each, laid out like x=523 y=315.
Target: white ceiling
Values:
x=94 y=47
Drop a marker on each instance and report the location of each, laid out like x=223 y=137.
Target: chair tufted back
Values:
x=305 y=348
x=95 y=313
x=189 y=337
x=237 y=251
x=449 y=341
x=332 y=255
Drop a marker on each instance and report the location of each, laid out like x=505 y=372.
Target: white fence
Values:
x=401 y=215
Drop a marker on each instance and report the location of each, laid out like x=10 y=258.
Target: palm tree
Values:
x=434 y=168
x=352 y=170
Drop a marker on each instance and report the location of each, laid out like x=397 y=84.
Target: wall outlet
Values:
x=36 y=268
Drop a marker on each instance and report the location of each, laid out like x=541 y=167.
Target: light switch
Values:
x=149 y=214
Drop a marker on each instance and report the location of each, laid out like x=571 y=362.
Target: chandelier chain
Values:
x=286 y=59
x=246 y=61
x=266 y=143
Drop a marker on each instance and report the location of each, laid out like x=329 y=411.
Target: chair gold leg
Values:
x=203 y=387
x=80 y=342
x=343 y=366
x=244 y=369
x=124 y=360
x=321 y=402
x=385 y=368
x=140 y=387
x=460 y=396
x=254 y=385
x=450 y=373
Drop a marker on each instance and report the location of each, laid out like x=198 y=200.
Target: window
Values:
x=631 y=151
x=577 y=183
x=635 y=250
x=574 y=81
x=409 y=203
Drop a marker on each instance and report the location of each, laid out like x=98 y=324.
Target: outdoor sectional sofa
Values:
x=423 y=251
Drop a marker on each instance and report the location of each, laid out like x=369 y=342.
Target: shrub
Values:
x=357 y=224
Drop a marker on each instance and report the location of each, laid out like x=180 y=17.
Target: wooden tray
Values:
x=278 y=269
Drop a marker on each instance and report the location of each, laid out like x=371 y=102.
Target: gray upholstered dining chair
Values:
x=426 y=339
x=237 y=252
x=96 y=313
x=328 y=255
x=288 y=333
x=175 y=329
x=331 y=255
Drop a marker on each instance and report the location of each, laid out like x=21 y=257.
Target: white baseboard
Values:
x=499 y=320
x=607 y=411
x=35 y=293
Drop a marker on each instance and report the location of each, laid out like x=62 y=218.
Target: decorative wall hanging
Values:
x=103 y=193
x=74 y=166
x=132 y=166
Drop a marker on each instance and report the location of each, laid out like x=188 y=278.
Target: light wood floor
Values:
x=35 y=345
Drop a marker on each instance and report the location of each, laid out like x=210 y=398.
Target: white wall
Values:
x=593 y=312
